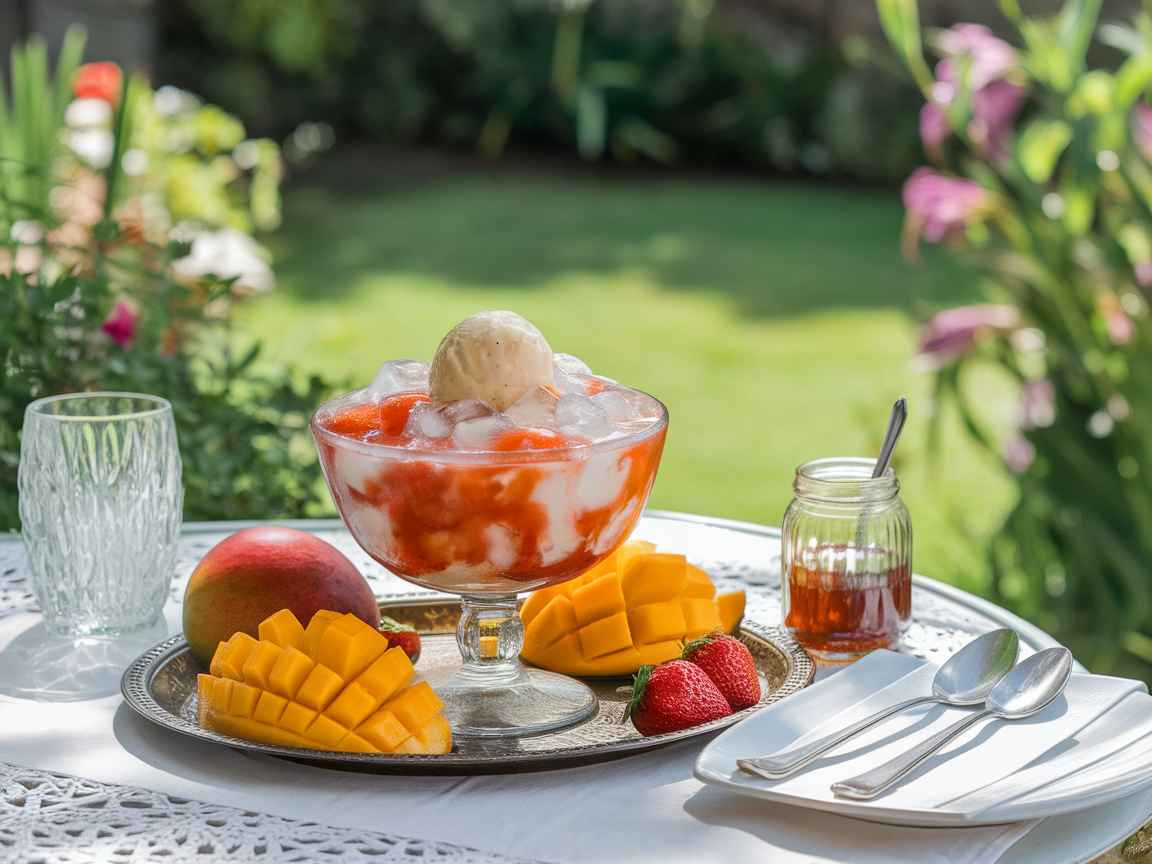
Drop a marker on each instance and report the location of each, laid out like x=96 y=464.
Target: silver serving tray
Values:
x=161 y=685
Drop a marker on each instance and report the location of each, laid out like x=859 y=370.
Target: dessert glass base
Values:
x=493 y=695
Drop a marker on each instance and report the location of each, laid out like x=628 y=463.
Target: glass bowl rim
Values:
x=491 y=457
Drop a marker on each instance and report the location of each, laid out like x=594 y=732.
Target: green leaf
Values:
x=1040 y=147
x=1075 y=24
x=1121 y=37
x=1080 y=208
x=1132 y=79
x=71 y=54
x=901 y=22
x=1092 y=95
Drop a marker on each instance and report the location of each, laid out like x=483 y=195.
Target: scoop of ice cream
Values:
x=494 y=356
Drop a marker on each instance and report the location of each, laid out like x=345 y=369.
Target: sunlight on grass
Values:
x=749 y=398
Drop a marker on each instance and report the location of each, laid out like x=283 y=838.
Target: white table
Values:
x=60 y=711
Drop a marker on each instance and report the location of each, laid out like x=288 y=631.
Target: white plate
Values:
x=1082 y=744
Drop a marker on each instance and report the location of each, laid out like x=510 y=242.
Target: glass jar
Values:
x=846 y=559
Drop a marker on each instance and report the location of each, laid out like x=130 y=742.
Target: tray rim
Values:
x=136 y=688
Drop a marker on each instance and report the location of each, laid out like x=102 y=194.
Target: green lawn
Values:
x=772 y=318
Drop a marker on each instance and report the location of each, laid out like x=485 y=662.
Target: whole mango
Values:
x=258 y=571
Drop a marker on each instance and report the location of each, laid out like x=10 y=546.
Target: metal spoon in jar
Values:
x=896 y=423
x=966 y=678
x=1031 y=686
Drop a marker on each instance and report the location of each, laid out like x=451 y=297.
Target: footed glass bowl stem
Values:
x=493 y=695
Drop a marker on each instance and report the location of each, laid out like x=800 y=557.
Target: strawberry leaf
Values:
x=392 y=625
x=639 y=685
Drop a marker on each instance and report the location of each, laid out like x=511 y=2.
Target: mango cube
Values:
x=383 y=731
x=605 y=636
x=348 y=646
x=701 y=617
x=291 y=670
x=260 y=663
x=554 y=621
x=325 y=731
x=221 y=695
x=598 y=600
x=214 y=667
x=282 y=629
x=352 y=706
x=390 y=672
x=654 y=577
x=244 y=699
x=315 y=629
x=731 y=608
x=270 y=708
x=296 y=718
x=657 y=622
x=319 y=689
x=234 y=655
x=415 y=706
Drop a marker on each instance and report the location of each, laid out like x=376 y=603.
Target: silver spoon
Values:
x=891 y=435
x=1029 y=687
x=896 y=422
x=965 y=679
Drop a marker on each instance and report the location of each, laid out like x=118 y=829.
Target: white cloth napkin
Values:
x=1097 y=758
x=984 y=754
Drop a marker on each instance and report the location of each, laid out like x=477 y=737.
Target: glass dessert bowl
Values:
x=494 y=507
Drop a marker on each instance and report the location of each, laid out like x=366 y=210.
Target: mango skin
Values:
x=258 y=571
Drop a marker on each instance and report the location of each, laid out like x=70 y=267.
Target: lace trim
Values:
x=58 y=819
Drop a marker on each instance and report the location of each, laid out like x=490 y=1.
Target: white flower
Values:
x=226 y=254
x=88 y=112
x=93 y=145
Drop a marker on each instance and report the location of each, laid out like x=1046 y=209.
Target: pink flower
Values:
x=939 y=206
x=1019 y=453
x=987 y=57
x=994 y=108
x=120 y=323
x=984 y=60
x=934 y=127
x=953 y=332
x=1144 y=273
x=1037 y=404
x=1120 y=327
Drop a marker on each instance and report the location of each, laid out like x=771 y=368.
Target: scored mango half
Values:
x=335 y=685
x=637 y=606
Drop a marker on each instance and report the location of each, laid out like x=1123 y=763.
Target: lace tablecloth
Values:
x=51 y=817
x=58 y=819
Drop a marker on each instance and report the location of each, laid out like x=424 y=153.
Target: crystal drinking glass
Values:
x=100 y=502
x=487 y=525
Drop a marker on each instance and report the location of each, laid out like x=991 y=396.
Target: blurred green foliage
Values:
x=89 y=299
x=626 y=79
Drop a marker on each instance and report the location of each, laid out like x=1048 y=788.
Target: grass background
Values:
x=775 y=320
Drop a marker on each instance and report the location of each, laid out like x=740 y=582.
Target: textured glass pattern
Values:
x=100 y=499
x=846 y=557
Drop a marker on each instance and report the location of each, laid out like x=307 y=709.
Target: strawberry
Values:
x=728 y=663
x=673 y=696
x=402 y=635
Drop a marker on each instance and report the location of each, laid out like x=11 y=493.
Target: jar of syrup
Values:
x=846 y=559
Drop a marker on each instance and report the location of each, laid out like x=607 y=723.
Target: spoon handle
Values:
x=778 y=765
x=891 y=436
x=868 y=785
